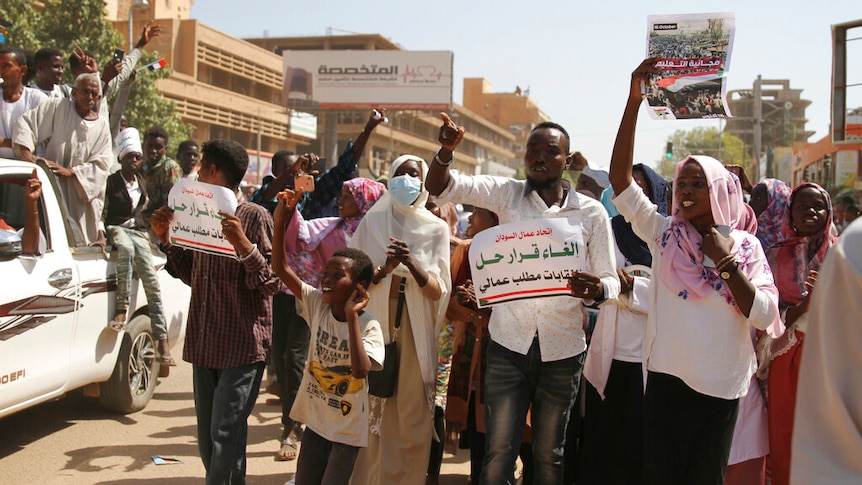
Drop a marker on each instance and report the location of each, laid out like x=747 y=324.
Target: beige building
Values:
x=782 y=120
x=487 y=146
x=231 y=88
x=225 y=88
x=514 y=111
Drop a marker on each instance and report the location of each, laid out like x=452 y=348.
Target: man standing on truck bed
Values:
x=16 y=99
x=78 y=151
x=230 y=315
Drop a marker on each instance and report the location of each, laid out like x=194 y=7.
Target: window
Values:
x=847 y=83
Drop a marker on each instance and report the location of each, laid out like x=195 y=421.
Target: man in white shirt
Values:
x=77 y=148
x=16 y=98
x=50 y=65
x=538 y=345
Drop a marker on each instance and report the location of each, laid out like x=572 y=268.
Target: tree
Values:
x=728 y=148
x=65 y=25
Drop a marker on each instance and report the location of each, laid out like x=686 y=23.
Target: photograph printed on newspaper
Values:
x=693 y=52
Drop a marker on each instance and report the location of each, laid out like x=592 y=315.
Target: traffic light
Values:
x=668 y=152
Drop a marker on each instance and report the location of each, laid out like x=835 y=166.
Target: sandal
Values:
x=117 y=325
x=287 y=451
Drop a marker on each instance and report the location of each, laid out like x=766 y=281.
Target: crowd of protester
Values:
x=687 y=324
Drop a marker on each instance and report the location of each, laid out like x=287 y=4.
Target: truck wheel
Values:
x=134 y=378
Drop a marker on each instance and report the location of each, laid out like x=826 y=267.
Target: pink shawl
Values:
x=793 y=257
x=681 y=267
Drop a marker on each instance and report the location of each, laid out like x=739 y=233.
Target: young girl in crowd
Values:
x=347 y=344
x=795 y=261
x=710 y=283
x=409 y=245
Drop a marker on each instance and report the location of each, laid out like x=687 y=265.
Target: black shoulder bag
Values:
x=381 y=383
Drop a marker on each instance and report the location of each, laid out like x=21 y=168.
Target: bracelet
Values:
x=244 y=258
x=441 y=162
x=724 y=262
x=378 y=274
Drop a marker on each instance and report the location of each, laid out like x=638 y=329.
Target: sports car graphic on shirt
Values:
x=335 y=380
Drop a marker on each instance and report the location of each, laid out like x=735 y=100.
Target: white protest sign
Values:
x=527 y=259
x=196 y=223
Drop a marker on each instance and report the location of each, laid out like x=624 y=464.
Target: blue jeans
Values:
x=133 y=253
x=324 y=462
x=224 y=398
x=512 y=383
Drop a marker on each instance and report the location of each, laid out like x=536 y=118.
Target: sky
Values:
x=575 y=57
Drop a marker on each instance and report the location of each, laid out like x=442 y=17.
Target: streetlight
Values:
x=132 y=6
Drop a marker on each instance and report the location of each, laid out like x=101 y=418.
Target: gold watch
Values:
x=727 y=273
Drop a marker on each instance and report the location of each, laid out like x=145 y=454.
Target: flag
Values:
x=676 y=83
x=156 y=65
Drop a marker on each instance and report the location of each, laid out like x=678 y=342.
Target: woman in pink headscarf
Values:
x=711 y=283
x=795 y=261
x=310 y=244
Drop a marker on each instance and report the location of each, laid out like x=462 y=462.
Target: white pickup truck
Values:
x=54 y=309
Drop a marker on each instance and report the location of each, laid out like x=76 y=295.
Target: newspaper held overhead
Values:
x=693 y=52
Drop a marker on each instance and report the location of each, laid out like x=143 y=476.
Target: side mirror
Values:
x=10 y=244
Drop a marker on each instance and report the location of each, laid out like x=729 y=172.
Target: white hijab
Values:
x=427 y=236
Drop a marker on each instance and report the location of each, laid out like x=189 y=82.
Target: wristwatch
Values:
x=726 y=274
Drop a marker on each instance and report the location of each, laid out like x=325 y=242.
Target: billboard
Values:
x=366 y=79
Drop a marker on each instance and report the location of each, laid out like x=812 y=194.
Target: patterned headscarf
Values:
x=681 y=267
x=770 y=221
x=365 y=192
x=794 y=256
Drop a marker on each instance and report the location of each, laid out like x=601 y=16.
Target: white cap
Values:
x=127 y=141
x=600 y=176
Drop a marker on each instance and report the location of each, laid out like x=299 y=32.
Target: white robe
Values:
x=76 y=143
x=827 y=433
x=427 y=236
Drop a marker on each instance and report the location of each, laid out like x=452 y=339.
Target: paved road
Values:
x=72 y=441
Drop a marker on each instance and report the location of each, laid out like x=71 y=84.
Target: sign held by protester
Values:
x=197 y=223
x=527 y=259
x=693 y=52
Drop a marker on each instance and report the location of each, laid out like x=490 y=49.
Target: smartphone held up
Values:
x=303 y=183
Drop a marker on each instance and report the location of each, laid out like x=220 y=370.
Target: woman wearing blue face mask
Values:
x=408 y=244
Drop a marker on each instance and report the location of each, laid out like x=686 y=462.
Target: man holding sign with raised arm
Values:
x=230 y=313
x=537 y=345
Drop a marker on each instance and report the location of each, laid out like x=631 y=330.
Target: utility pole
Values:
x=758 y=127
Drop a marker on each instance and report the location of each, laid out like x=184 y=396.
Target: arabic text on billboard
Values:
x=364 y=79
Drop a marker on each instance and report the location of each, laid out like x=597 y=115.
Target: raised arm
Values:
x=283 y=214
x=623 y=153
x=377 y=116
x=360 y=363
x=449 y=138
x=32 y=192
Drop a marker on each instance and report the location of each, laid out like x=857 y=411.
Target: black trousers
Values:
x=687 y=434
x=290 y=337
x=611 y=448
